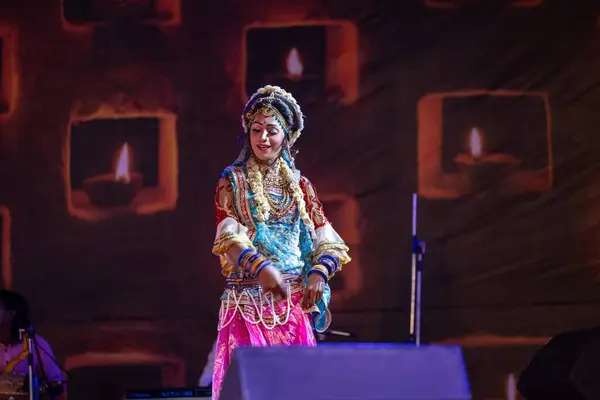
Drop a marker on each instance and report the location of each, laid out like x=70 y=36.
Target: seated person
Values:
x=14 y=316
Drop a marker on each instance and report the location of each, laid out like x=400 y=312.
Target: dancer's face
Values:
x=266 y=138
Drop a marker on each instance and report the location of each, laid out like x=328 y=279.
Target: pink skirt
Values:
x=239 y=332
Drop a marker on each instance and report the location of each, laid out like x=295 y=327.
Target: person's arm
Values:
x=330 y=252
x=235 y=249
x=230 y=238
x=46 y=365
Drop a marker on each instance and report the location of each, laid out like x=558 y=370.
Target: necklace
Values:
x=273 y=196
x=276 y=190
x=271 y=176
x=280 y=207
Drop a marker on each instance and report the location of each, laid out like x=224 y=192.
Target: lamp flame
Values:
x=475 y=143
x=122 y=172
x=294 y=64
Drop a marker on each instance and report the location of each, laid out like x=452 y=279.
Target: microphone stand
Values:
x=28 y=334
x=418 y=252
x=330 y=332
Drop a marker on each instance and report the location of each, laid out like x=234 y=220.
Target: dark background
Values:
x=132 y=298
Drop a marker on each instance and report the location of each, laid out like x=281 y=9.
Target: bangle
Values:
x=330 y=262
x=245 y=256
x=262 y=266
x=256 y=263
x=253 y=261
x=319 y=269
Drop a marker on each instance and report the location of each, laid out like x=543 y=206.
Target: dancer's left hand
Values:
x=313 y=291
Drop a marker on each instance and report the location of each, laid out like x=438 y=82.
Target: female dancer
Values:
x=277 y=249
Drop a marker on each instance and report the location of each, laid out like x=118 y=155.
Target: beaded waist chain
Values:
x=249 y=284
x=248 y=299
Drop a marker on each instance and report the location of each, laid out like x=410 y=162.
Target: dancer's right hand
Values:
x=271 y=281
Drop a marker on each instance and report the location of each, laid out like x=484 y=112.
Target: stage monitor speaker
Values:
x=357 y=371
x=567 y=367
x=170 y=394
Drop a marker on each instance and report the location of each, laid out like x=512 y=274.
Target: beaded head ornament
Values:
x=273 y=101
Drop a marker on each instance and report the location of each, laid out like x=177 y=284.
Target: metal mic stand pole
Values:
x=418 y=251
x=32 y=392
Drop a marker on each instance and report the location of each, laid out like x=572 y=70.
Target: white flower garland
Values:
x=263 y=208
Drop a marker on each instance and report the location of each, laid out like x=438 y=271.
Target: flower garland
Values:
x=263 y=209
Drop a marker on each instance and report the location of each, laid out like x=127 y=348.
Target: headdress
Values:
x=273 y=101
x=276 y=102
